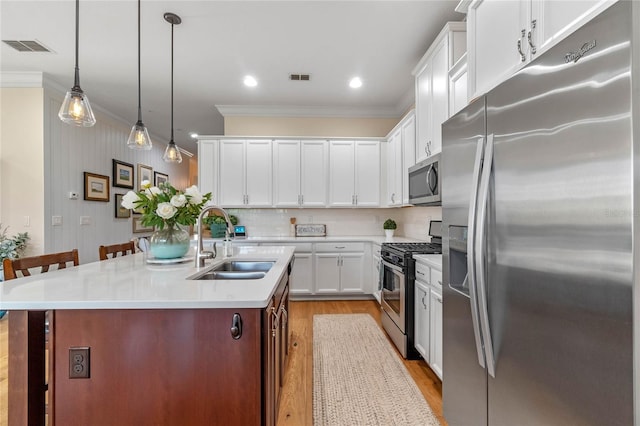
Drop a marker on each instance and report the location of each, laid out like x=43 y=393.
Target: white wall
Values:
x=69 y=151
x=21 y=164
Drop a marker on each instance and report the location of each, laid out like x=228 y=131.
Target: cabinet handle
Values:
x=339 y=247
x=419 y=273
x=522 y=57
x=285 y=318
x=439 y=299
x=530 y=37
x=276 y=321
x=393 y=196
x=301 y=199
x=236 y=326
x=423 y=302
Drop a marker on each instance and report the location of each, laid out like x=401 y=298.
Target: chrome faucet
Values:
x=201 y=254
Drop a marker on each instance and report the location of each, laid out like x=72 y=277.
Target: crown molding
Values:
x=306 y=111
x=21 y=79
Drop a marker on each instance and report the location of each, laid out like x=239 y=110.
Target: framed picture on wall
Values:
x=138 y=227
x=122 y=174
x=96 y=187
x=159 y=178
x=121 y=212
x=144 y=173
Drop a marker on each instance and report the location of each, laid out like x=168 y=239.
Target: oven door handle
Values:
x=392 y=266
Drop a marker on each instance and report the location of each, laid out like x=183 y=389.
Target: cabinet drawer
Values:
x=300 y=247
x=339 y=247
x=436 y=278
x=422 y=273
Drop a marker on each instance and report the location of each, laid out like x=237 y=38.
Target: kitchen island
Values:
x=157 y=346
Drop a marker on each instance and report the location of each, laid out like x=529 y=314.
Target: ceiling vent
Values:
x=299 y=77
x=26 y=45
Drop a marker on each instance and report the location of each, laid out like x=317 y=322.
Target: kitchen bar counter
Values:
x=129 y=282
x=377 y=239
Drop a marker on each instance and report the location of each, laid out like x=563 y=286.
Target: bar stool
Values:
x=113 y=250
x=12 y=266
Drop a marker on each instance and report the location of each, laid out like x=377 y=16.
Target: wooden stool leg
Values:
x=26 y=368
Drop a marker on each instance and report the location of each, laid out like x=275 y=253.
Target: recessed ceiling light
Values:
x=193 y=135
x=355 y=82
x=250 y=81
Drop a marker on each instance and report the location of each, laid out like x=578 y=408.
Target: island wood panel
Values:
x=166 y=367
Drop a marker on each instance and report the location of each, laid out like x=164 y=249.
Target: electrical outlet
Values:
x=79 y=362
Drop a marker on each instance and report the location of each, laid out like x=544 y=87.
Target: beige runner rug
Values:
x=359 y=379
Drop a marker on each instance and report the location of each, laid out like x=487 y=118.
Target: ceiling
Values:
x=217 y=44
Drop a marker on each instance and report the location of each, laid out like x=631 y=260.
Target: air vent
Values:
x=299 y=77
x=26 y=45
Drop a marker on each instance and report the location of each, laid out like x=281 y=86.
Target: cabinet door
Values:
x=258 y=172
x=408 y=154
x=341 y=173
x=458 y=91
x=286 y=173
x=302 y=275
x=352 y=272
x=314 y=174
x=208 y=167
x=327 y=273
x=423 y=110
x=232 y=173
x=556 y=19
x=440 y=94
x=422 y=318
x=375 y=278
x=435 y=338
x=493 y=31
x=367 y=173
x=394 y=169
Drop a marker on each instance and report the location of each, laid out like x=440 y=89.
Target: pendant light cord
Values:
x=172 y=25
x=76 y=84
x=139 y=90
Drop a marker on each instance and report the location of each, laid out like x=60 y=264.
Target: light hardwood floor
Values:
x=296 y=407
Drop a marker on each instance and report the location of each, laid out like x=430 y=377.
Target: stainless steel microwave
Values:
x=424 y=182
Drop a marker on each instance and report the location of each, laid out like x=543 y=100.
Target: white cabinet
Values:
x=354 y=173
x=394 y=169
x=458 y=92
x=432 y=88
x=375 y=271
x=422 y=318
x=503 y=36
x=301 y=281
x=340 y=268
x=300 y=173
x=208 y=166
x=401 y=145
x=435 y=331
x=428 y=315
x=245 y=173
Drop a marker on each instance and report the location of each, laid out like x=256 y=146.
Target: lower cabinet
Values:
x=422 y=319
x=435 y=332
x=428 y=316
x=339 y=273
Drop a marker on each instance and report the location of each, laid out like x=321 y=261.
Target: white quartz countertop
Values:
x=377 y=239
x=431 y=260
x=129 y=282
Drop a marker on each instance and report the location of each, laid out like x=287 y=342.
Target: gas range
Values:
x=400 y=253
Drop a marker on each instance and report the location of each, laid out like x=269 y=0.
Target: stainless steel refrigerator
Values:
x=541 y=217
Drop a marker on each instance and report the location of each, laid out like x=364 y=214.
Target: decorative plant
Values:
x=164 y=206
x=208 y=220
x=389 y=224
x=12 y=247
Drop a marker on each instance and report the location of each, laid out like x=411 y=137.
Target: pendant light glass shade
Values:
x=172 y=153
x=139 y=136
x=76 y=109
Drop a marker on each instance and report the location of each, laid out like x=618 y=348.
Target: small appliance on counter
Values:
x=239 y=231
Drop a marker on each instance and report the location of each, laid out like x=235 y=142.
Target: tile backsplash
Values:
x=412 y=222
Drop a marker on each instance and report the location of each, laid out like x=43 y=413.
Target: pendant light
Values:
x=139 y=136
x=76 y=109
x=172 y=153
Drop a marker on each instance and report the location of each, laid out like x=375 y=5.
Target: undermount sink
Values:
x=238 y=270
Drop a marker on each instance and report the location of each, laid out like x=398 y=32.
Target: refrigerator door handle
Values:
x=480 y=242
x=471 y=272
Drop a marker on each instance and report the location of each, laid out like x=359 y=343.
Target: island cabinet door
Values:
x=158 y=367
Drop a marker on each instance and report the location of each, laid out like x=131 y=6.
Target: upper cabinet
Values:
x=503 y=36
x=300 y=170
x=401 y=143
x=354 y=173
x=432 y=87
x=245 y=173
